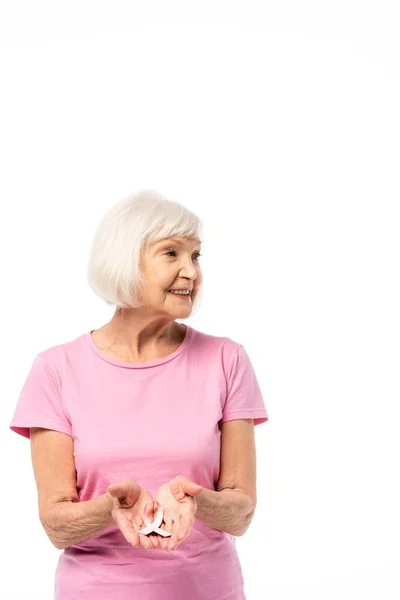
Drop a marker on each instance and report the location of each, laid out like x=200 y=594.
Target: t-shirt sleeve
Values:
x=39 y=403
x=244 y=399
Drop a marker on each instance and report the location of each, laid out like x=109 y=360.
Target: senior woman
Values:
x=142 y=431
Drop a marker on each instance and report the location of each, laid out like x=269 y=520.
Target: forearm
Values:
x=69 y=523
x=228 y=510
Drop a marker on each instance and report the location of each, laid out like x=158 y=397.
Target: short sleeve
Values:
x=244 y=399
x=39 y=403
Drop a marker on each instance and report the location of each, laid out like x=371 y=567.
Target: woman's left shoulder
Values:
x=214 y=344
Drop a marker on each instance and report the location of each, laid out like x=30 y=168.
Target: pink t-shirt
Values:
x=149 y=422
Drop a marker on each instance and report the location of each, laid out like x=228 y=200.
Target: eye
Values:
x=195 y=254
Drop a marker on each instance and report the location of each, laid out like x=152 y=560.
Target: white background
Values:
x=278 y=124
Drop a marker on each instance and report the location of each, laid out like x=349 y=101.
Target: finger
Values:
x=189 y=487
x=143 y=539
x=168 y=527
x=173 y=540
x=185 y=525
x=163 y=540
x=177 y=489
x=168 y=521
x=126 y=491
x=150 y=510
x=158 y=539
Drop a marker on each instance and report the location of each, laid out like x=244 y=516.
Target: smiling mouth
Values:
x=180 y=295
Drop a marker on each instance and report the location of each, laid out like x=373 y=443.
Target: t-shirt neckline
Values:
x=188 y=335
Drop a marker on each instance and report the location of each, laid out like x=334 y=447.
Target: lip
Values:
x=182 y=295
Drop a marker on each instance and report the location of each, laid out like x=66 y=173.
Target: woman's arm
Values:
x=231 y=507
x=64 y=518
x=69 y=523
x=229 y=510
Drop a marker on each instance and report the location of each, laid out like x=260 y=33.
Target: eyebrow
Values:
x=162 y=243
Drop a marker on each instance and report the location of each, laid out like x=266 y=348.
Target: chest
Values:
x=145 y=414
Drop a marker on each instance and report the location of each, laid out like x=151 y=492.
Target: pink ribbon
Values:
x=155 y=525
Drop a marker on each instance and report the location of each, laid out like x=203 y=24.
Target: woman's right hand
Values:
x=129 y=502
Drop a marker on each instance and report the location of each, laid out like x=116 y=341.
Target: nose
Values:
x=188 y=270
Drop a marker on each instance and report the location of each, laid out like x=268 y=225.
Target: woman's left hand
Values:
x=177 y=498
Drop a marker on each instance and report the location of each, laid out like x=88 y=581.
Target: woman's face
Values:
x=172 y=263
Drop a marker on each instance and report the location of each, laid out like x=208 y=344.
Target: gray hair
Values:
x=114 y=268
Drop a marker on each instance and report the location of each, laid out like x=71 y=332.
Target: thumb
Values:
x=126 y=491
x=192 y=488
x=187 y=486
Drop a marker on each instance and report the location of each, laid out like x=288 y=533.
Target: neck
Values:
x=134 y=331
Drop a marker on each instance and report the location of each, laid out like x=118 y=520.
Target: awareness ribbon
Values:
x=155 y=525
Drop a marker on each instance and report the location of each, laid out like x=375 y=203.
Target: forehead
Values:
x=179 y=241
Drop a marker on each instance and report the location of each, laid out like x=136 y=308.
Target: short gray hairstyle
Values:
x=114 y=268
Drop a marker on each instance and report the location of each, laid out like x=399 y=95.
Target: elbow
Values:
x=51 y=533
x=57 y=543
x=243 y=526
